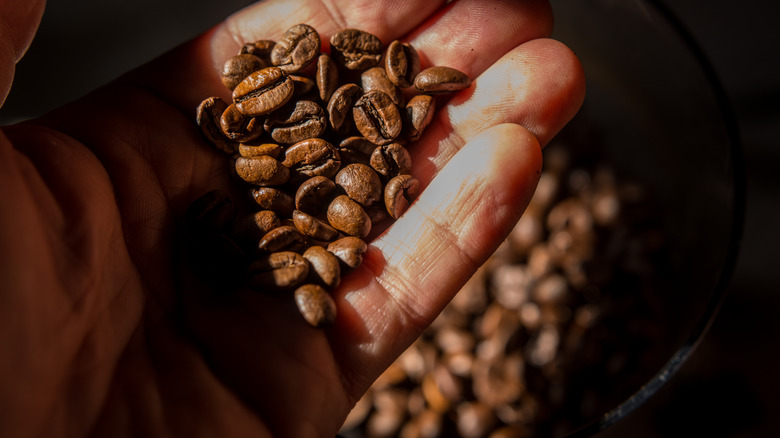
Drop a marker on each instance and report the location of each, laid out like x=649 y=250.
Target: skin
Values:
x=105 y=329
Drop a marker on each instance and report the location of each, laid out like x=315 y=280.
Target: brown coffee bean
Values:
x=324 y=267
x=208 y=116
x=417 y=115
x=349 y=251
x=249 y=150
x=237 y=126
x=250 y=229
x=314 y=195
x=214 y=211
x=278 y=271
x=285 y=237
x=375 y=78
x=315 y=228
x=312 y=157
x=302 y=86
x=377 y=117
x=391 y=160
x=399 y=194
x=273 y=199
x=261 y=48
x=402 y=64
x=262 y=171
x=263 y=91
x=355 y=150
x=296 y=121
x=376 y=212
x=355 y=49
x=316 y=305
x=327 y=76
x=361 y=183
x=348 y=216
x=441 y=79
x=296 y=49
x=238 y=67
x=340 y=107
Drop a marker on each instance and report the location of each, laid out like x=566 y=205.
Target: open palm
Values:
x=104 y=328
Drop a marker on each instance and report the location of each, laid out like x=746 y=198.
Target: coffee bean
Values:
x=250 y=229
x=355 y=49
x=263 y=91
x=302 y=86
x=349 y=251
x=375 y=78
x=260 y=48
x=262 y=171
x=402 y=64
x=361 y=183
x=296 y=121
x=355 y=149
x=238 y=67
x=348 y=216
x=327 y=77
x=399 y=194
x=296 y=49
x=239 y=127
x=314 y=195
x=214 y=211
x=391 y=160
x=340 y=107
x=313 y=227
x=278 y=271
x=315 y=305
x=249 y=150
x=285 y=237
x=208 y=116
x=417 y=115
x=312 y=157
x=377 y=117
x=324 y=267
x=440 y=79
x=278 y=201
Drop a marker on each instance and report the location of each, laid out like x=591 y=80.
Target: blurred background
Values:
x=730 y=386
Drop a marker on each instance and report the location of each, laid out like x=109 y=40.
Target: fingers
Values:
x=427 y=255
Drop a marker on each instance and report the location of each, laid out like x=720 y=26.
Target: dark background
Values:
x=730 y=387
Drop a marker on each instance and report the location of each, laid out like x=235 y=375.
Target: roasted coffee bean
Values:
x=417 y=115
x=238 y=67
x=214 y=211
x=440 y=79
x=348 y=216
x=355 y=150
x=278 y=201
x=261 y=48
x=313 y=227
x=302 y=86
x=327 y=76
x=316 y=305
x=250 y=229
x=208 y=117
x=377 y=117
x=361 y=183
x=391 y=160
x=324 y=267
x=399 y=194
x=296 y=121
x=285 y=237
x=402 y=64
x=263 y=91
x=377 y=212
x=296 y=49
x=349 y=251
x=340 y=107
x=239 y=127
x=314 y=195
x=312 y=157
x=375 y=78
x=355 y=49
x=278 y=271
x=262 y=170
x=248 y=150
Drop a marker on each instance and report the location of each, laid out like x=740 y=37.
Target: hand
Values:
x=105 y=329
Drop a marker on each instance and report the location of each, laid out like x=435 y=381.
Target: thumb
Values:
x=19 y=20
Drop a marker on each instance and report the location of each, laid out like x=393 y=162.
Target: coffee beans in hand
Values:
x=320 y=139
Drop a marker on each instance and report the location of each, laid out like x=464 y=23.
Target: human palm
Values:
x=105 y=328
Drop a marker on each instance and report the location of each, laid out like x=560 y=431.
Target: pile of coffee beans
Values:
x=561 y=324
x=321 y=139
